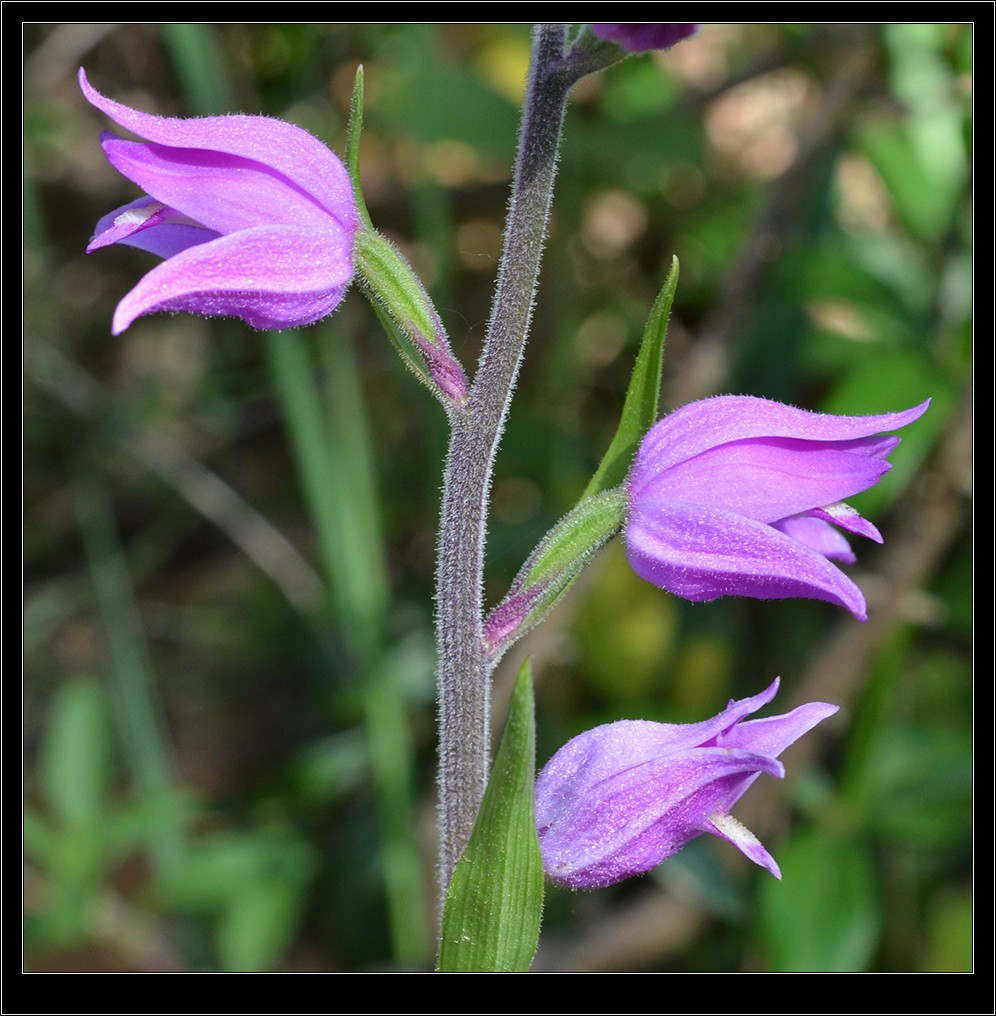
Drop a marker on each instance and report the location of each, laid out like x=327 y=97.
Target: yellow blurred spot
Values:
x=701 y=674
x=452 y=163
x=479 y=244
x=612 y=220
x=863 y=199
x=516 y=500
x=503 y=62
x=627 y=629
x=601 y=338
x=751 y=128
x=839 y=317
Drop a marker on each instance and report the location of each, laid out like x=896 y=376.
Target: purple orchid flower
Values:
x=255 y=217
x=617 y=800
x=735 y=496
x=639 y=38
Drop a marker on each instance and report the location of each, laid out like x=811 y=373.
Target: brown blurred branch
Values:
x=929 y=518
x=704 y=368
x=60 y=53
x=124 y=938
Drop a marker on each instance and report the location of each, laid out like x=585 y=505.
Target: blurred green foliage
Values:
x=224 y=708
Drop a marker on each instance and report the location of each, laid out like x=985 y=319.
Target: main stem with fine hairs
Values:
x=463 y=675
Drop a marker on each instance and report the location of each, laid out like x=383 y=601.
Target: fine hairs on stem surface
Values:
x=463 y=676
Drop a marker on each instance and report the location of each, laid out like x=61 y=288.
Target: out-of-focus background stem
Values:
x=334 y=461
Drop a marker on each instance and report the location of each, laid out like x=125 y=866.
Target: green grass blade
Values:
x=199 y=62
x=331 y=446
x=135 y=695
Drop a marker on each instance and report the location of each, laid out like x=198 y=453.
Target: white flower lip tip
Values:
x=745 y=841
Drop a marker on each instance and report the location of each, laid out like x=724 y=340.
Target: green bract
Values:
x=601 y=513
x=491 y=922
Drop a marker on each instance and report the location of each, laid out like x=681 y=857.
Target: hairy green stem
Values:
x=464 y=692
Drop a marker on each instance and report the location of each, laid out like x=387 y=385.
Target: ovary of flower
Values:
x=254 y=217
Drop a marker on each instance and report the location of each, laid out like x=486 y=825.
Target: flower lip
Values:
x=737 y=495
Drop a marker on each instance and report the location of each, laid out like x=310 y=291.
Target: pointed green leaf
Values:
x=383 y=271
x=588 y=526
x=353 y=131
x=491 y=920
x=600 y=513
x=639 y=411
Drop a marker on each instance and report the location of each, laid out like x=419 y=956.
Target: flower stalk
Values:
x=463 y=669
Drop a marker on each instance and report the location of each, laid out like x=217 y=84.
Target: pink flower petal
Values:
x=617 y=800
x=817 y=534
x=270 y=276
x=771 y=735
x=291 y=151
x=702 y=425
x=737 y=496
x=223 y=192
x=702 y=553
x=765 y=478
x=639 y=38
x=629 y=822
